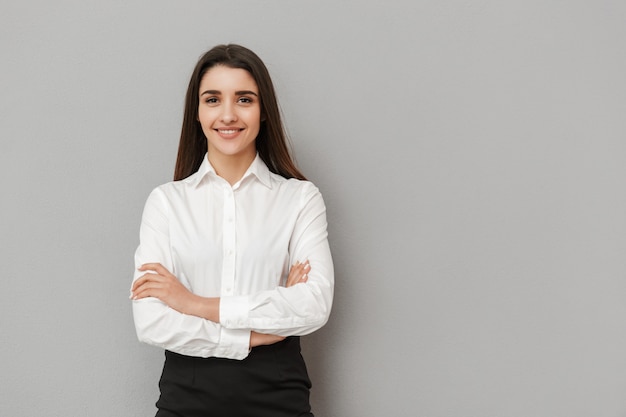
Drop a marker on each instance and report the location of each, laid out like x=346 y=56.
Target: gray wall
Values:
x=472 y=155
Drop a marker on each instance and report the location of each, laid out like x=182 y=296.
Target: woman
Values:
x=213 y=285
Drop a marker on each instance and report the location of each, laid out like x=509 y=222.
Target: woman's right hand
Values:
x=261 y=339
x=298 y=274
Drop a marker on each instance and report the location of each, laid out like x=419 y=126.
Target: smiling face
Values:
x=229 y=112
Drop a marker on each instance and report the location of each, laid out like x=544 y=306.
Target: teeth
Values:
x=228 y=132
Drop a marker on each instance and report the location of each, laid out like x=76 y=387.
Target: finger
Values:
x=156 y=267
x=149 y=289
x=302 y=270
x=295 y=274
x=305 y=275
x=146 y=278
x=159 y=288
x=296 y=269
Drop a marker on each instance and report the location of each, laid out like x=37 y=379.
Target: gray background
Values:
x=471 y=153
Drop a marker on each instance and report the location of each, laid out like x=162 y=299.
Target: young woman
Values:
x=233 y=263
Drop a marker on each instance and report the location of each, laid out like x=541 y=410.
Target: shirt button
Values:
x=230 y=252
x=230 y=220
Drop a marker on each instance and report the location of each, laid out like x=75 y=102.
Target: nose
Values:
x=229 y=115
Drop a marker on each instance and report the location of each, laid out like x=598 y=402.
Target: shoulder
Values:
x=162 y=195
x=173 y=189
x=293 y=184
x=163 y=190
x=302 y=191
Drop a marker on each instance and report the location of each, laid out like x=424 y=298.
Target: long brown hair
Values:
x=271 y=142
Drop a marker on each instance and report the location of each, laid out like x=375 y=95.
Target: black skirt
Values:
x=271 y=382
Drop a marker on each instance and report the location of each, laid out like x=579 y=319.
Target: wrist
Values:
x=206 y=307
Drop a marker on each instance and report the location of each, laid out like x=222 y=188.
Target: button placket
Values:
x=229 y=243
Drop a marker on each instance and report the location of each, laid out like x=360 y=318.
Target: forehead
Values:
x=226 y=79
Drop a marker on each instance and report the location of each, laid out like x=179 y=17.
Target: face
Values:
x=229 y=112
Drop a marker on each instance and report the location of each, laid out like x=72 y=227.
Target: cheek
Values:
x=205 y=119
x=207 y=129
x=254 y=118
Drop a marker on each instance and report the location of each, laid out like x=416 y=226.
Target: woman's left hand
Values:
x=159 y=283
x=298 y=274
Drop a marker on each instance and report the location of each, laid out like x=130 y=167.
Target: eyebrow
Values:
x=237 y=93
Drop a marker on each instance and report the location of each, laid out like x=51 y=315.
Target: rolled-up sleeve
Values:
x=159 y=325
x=302 y=308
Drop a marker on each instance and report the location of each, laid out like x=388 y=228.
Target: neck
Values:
x=231 y=167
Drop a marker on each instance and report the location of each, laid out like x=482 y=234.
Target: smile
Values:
x=228 y=131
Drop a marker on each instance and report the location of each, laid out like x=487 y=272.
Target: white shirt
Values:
x=236 y=243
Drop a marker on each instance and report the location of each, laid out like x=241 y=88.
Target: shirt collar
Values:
x=257 y=168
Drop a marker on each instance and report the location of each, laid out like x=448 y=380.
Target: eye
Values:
x=245 y=100
x=211 y=100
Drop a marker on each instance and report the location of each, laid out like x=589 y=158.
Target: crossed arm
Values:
x=160 y=283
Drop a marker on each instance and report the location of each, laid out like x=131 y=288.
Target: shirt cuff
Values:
x=234 y=312
x=234 y=344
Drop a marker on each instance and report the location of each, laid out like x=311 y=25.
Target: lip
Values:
x=228 y=133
